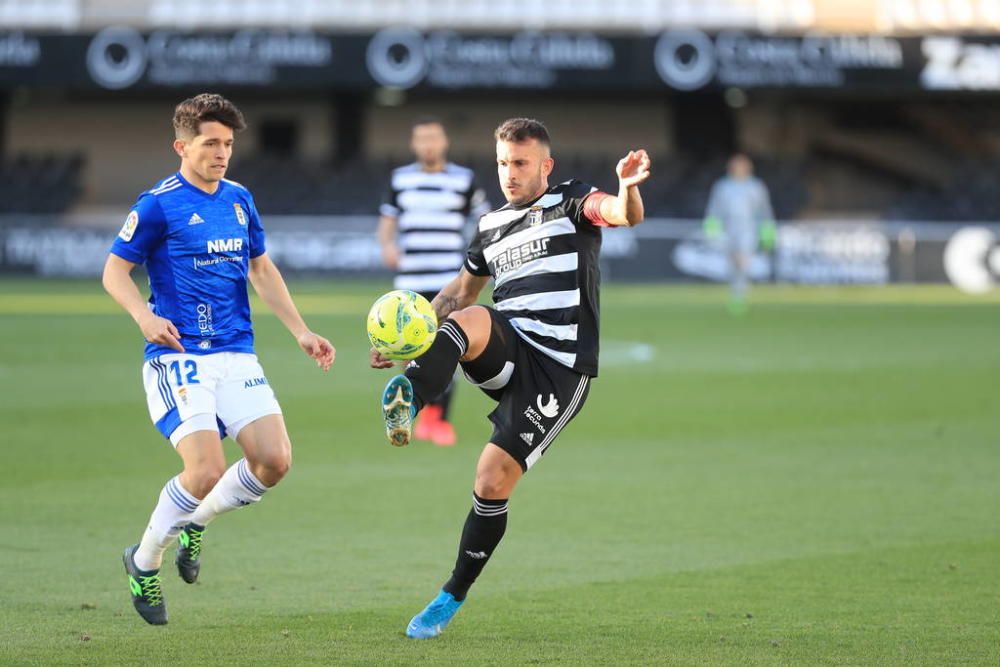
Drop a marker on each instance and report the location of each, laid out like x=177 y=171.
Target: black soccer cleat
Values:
x=189 y=552
x=146 y=589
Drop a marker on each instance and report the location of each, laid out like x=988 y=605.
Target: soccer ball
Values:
x=401 y=325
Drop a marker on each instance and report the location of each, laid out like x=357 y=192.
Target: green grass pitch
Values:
x=815 y=483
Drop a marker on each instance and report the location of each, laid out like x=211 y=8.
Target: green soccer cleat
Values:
x=146 y=589
x=189 y=552
x=398 y=411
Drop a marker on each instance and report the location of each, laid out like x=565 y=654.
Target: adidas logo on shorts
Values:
x=529 y=438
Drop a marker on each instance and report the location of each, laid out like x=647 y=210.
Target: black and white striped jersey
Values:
x=431 y=211
x=543 y=258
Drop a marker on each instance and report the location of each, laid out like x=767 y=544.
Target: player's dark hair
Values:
x=206 y=108
x=517 y=130
x=427 y=120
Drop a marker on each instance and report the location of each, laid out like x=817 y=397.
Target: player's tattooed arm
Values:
x=458 y=294
x=444 y=305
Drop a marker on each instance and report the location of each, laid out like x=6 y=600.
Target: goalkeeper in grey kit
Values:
x=739 y=212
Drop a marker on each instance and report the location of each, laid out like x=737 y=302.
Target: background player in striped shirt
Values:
x=200 y=239
x=422 y=233
x=535 y=351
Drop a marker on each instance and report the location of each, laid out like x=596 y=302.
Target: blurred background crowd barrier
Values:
x=875 y=125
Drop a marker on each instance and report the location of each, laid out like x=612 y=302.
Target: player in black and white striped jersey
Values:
x=535 y=351
x=422 y=231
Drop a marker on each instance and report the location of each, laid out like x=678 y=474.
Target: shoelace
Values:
x=194 y=543
x=152 y=590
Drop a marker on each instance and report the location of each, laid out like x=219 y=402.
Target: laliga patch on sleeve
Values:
x=128 y=229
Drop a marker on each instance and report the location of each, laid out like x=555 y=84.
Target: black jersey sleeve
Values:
x=574 y=194
x=478 y=204
x=475 y=260
x=390 y=205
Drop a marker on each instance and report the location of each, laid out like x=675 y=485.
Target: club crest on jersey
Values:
x=128 y=229
x=241 y=217
x=535 y=216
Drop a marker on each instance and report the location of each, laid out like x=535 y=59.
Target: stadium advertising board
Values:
x=956 y=63
x=691 y=60
x=658 y=250
x=810 y=254
x=122 y=58
x=405 y=58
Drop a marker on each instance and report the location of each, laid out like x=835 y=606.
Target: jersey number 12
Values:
x=192 y=372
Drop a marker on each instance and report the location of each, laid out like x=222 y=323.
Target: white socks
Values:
x=237 y=488
x=172 y=513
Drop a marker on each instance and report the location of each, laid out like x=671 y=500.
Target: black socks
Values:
x=431 y=373
x=484 y=527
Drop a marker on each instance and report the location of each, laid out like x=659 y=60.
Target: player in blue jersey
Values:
x=200 y=239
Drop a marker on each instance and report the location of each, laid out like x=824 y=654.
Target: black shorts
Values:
x=536 y=396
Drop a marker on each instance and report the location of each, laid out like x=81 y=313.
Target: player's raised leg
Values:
x=496 y=476
x=267 y=458
x=461 y=337
x=248 y=409
x=201 y=451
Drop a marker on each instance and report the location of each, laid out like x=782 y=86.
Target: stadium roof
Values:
x=644 y=16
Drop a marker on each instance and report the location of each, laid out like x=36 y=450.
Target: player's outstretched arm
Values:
x=626 y=209
x=270 y=286
x=460 y=293
x=117 y=280
x=386 y=235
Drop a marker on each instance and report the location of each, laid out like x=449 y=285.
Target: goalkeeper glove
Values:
x=768 y=235
x=712 y=227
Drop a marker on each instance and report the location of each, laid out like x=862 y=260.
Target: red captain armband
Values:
x=592 y=208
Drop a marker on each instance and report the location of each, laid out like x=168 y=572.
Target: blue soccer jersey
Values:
x=197 y=249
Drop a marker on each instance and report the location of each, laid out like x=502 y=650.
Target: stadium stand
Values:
x=970 y=196
x=44 y=183
x=679 y=187
x=51 y=184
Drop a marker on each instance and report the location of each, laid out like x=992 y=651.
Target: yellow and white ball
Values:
x=401 y=325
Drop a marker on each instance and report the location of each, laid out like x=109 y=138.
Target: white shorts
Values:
x=204 y=392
